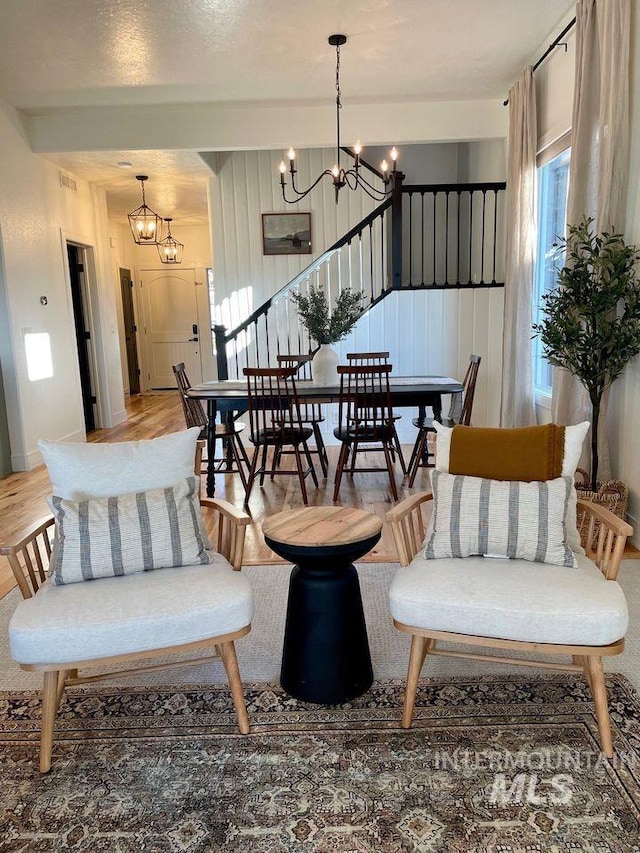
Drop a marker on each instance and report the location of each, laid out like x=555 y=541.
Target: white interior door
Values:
x=171 y=326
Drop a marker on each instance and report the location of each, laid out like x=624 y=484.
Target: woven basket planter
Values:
x=613 y=495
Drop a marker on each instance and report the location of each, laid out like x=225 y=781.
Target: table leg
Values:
x=436 y=405
x=326 y=655
x=211 y=447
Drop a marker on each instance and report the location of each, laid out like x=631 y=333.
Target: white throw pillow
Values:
x=573 y=439
x=125 y=534
x=498 y=518
x=79 y=471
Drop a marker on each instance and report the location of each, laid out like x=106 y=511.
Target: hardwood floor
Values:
x=23 y=495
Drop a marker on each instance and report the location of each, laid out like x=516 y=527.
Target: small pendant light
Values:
x=170 y=250
x=145 y=223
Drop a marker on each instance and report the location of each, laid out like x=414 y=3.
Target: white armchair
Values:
x=513 y=605
x=59 y=629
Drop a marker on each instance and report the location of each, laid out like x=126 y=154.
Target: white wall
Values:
x=554 y=92
x=37 y=215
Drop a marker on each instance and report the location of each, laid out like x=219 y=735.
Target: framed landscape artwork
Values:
x=286 y=233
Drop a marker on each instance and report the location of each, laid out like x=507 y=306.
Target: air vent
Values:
x=68 y=182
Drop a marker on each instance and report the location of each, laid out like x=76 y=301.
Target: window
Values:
x=553 y=184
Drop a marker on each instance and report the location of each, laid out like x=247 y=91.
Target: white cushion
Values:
x=510 y=600
x=136 y=613
x=499 y=518
x=120 y=535
x=574 y=436
x=81 y=471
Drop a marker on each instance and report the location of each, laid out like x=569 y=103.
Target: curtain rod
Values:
x=551 y=47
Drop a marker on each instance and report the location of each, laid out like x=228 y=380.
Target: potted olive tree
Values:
x=591 y=323
x=327 y=326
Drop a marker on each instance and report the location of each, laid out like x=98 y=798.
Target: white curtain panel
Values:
x=517 y=406
x=599 y=168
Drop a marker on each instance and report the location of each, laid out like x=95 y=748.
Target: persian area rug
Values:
x=491 y=764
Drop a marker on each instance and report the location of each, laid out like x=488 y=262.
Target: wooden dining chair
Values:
x=365 y=417
x=421 y=457
x=359 y=359
x=234 y=459
x=275 y=422
x=310 y=413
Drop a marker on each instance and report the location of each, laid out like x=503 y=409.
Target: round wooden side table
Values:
x=326 y=655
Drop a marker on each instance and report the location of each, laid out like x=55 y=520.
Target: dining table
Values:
x=229 y=397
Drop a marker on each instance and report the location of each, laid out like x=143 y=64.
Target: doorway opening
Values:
x=130 y=331
x=80 y=298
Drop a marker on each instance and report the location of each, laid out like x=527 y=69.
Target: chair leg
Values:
x=303 y=485
x=599 y=693
x=322 y=450
x=419 y=649
x=396 y=442
x=416 y=456
x=241 y=447
x=342 y=458
x=263 y=465
x=49 y=707
x=354 y=453
x=277 y=459
x=230 y=662
x=312 y=468
x=252 y=474
x=239 y=462
x=392 y=479
x=413 y=453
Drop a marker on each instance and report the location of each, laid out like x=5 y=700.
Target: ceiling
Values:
x=72 y=54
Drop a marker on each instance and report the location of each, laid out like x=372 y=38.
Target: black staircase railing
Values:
x=425 y=237
x=453 y=235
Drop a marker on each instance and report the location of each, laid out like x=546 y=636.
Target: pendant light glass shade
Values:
x=170 y=250
x=145 y=223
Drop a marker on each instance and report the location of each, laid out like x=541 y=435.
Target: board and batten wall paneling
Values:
x=424 y=331
x=246 y=186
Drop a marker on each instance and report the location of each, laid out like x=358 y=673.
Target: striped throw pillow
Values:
x=121 y=535
x=498 y=518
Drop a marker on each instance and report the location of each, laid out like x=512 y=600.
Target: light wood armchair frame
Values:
x=29 y=558
x=605 y=548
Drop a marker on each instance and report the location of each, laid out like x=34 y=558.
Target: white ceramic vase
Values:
x=325 y=362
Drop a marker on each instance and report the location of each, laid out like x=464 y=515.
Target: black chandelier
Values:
x=145 y=223
x=170 y=250
x=351 y=178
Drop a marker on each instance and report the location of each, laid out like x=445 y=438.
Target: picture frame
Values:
x=286 y=233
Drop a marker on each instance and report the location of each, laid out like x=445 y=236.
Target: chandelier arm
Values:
x=302 y=194
x=353 y=181
x=364 y=182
